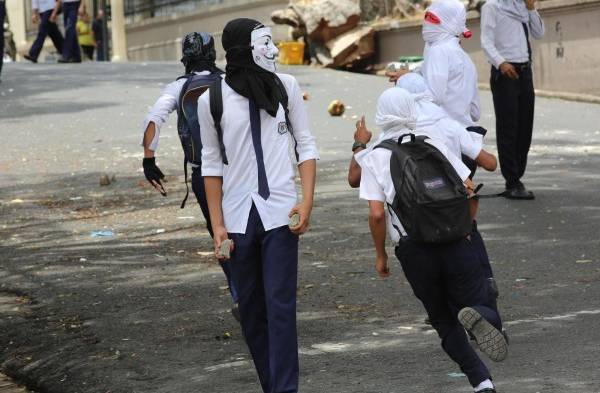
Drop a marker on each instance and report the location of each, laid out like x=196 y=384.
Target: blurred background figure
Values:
x=2 y=15
x=44 y=12
x=70 y=9
x=97 y=30
x=85 y=35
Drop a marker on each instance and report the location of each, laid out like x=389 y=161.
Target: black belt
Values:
x=521 y=66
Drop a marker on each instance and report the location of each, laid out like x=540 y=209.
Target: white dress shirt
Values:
x=376 y=179
x=162 y=108
x=503 y=37
x=240 y=176
x=43 y=5
x=451 y=80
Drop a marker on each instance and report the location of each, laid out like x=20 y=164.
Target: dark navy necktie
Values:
x=263 y=184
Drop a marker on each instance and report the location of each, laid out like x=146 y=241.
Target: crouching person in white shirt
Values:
x=446 y=277
x=249 y=178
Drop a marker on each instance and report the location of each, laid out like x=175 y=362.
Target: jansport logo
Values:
x=434 y=184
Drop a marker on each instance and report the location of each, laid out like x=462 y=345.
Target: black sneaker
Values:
x=486 y=390
x=489 y=339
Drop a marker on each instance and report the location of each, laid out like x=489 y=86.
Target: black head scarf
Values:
x=242 y=74
x=199 y=53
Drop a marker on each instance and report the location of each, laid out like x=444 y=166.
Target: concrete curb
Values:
x=561 y=95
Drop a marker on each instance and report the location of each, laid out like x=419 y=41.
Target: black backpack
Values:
x=431 y=200
x=188 y=127
x=216 y=110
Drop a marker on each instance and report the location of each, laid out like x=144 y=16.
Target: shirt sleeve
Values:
x=469 y=146
x=488 y=31
x=160 y=111
x=35 y=5
x=474 y=108
x=212 y=162
x=536 y=25
x=307 y=147
x=435 y=71
x=370 y=190
x=459 y=166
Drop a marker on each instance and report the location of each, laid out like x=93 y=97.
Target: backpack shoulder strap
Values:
x=286 y=109
x=216 y=110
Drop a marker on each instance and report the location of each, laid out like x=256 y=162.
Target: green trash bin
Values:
x=410 y=62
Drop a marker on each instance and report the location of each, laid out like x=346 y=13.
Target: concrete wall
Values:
x=566 y=59
x=160 y=38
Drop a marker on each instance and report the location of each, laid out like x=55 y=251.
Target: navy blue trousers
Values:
x=46 y=29
x=264 y=269
x=447 y=278
x=200 y=193
x=71 y=46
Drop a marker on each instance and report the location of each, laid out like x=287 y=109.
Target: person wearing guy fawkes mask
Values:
x=251 y=192
x=199 y=58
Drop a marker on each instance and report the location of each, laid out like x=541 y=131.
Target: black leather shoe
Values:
x=518 y=192
x=31 y=59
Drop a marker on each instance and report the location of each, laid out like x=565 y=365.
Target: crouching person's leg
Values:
x=280 y=275
x=423 y=269
x=247 y=276
x=468 y=292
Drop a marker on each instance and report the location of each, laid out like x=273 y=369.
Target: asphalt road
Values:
x=146 y=310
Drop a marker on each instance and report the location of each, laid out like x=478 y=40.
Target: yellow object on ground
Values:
x=291 y=53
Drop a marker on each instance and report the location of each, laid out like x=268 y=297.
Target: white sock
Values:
x=487 y=384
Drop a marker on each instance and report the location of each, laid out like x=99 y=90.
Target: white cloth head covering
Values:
x=453 y=21
x=396 y=110
x=428 y=113
x=515 y=9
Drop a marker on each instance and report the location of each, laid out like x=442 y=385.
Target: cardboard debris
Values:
x=330 y=30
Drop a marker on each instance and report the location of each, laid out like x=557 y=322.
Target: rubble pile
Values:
x=331 y=32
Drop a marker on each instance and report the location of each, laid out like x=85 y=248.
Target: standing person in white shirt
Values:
x=249 y=178
x=199 y=56
x=42 y=11
x=506 y=26
x=71 y=9
x=445 y=277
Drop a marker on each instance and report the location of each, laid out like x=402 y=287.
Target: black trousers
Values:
x=447 y=278
x=514 y=102
x=46 y=29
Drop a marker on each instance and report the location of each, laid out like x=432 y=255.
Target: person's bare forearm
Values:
x=378 y=232
x=354 y=173
x=308 y=175
x=213 y=186
x=148 y=138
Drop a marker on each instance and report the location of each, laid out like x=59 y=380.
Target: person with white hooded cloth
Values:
x=448 y=70
x=446 y=277
x=506 y=26
x=434 y=122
